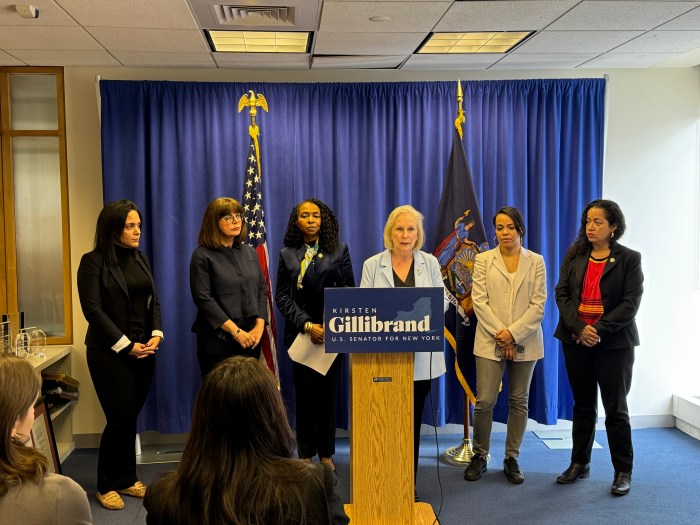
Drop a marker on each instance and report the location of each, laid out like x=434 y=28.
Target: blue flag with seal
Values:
x=460 y=235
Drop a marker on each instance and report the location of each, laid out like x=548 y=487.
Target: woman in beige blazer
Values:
x=508 y=292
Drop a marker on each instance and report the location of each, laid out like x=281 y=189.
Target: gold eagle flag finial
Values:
x=253 y=102
x=460 y=112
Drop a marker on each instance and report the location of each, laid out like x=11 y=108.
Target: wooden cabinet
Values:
x=58 y=360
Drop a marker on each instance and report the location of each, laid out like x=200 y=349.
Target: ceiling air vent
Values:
x=252 y=16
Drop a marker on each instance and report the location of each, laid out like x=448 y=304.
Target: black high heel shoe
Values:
x=574 y=472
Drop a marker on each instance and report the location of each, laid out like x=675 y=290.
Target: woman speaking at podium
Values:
x=403 y=264
x=313 y=259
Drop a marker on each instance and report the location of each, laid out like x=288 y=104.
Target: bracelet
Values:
x=307 y=327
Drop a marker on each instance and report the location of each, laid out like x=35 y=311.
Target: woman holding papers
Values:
x=227 y=286
x=313 y=259
x=404 y=264
x=508 y=292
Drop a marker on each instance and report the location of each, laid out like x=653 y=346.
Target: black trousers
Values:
x=122 y=383
x=315 y=396
x=420 y=393
x=211 y=351
x=611 y=370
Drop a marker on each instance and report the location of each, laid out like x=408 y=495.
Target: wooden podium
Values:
x=381 y=442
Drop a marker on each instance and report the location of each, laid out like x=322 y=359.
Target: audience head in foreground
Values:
x=28 y=492
x=237 y=466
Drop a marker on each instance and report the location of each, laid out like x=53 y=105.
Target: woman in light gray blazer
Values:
x=508 y=292
x=403 y=264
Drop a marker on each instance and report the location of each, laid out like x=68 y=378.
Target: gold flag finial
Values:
x=253 y=102
x=460 y=112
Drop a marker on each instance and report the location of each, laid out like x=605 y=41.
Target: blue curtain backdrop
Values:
x=363 y=148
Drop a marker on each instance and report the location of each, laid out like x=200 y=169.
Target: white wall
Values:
x=651 y=169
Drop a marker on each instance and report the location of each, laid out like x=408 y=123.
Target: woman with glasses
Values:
x=228 y=287
x=28 y=493
x=312 y=260
x=119 y=301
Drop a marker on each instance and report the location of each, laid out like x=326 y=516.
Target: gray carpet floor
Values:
x=665 y=485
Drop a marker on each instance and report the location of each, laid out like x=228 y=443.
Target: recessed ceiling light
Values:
x=481 y=42
x=259 y=41
x=379 y=19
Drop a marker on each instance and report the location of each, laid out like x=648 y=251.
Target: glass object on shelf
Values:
x=33 y=102
x=22 y=344
x=38 y=343
x=5 y=339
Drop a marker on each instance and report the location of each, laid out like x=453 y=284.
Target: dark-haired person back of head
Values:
x=238 y=467
x=118 y=298
x=28 y=493
x=598 y=295
x=228 y=287
x=312 y=260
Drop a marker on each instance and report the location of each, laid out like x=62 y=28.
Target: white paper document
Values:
x=307 y=353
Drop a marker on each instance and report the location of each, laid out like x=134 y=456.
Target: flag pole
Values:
x=254 y=216
x=460 y=455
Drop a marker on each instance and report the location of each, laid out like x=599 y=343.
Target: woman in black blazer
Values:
x=119 y=301
x=313 y=259
x=598 y=295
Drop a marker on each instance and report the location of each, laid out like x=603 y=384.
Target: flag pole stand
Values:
x=460 y=455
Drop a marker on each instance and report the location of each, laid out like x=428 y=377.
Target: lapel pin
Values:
x=320 y=256
x=612 y=259
x=420 y=271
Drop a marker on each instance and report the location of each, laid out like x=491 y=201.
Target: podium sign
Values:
x=382 y=327
x=380 y=320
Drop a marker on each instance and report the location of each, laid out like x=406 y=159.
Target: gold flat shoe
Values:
x=137 y=490
x=110 y=500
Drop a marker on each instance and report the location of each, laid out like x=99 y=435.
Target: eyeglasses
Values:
x=228 y=219
x=131 y=225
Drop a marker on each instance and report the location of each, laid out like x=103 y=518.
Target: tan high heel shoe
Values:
x=110 y=500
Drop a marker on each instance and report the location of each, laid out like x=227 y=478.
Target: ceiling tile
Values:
x=50 y=38
x=688 y=22
x=406 y=17
x=156 y=59
x=620 y=15
x=662 y=42
x=165 y=14
x=451 y=62
x=137 y=39
x=262 y=60
x=628 y=60
x=501 y=16
x=49 y=14
x=43 y=57
x=9 y=60
x=575 y=41
x=543 y=61
x=357 y=62
x=367 y=43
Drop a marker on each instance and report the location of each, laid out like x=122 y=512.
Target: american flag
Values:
x=255 y=221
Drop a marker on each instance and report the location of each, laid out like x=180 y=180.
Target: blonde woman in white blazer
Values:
x=404 y=264
x=508 y=291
